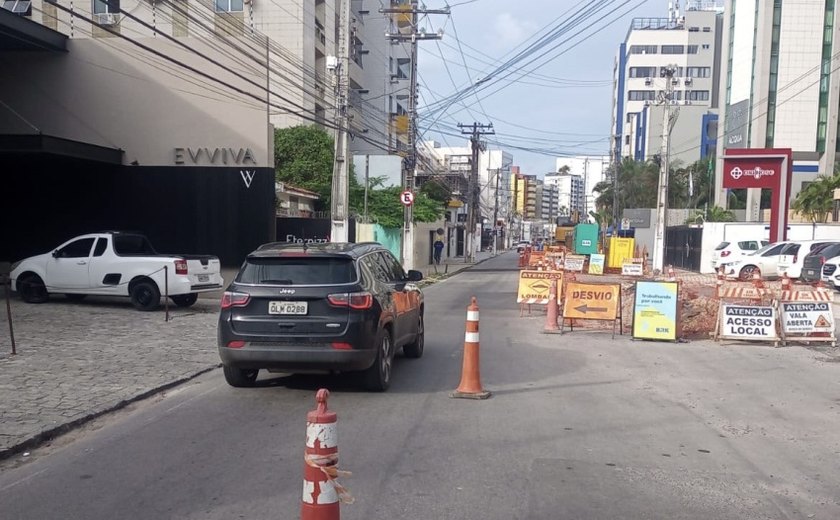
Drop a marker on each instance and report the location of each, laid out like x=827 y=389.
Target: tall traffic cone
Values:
x=321 y=491
x=551 y=313
x=470 y=387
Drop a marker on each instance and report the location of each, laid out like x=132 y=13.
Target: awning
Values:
x=45 y=144
x=19 y=33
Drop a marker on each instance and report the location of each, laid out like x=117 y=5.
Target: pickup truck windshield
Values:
x=133 y=245
x=298 y=271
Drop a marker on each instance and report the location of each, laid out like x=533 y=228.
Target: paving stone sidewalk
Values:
x=78 y=360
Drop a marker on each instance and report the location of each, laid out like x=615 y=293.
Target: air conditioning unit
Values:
x=106 y=19
x=648 y=81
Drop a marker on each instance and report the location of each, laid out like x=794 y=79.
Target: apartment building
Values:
x=591 y=168
x=570 y=193
x=688 y=41
x=780 y=86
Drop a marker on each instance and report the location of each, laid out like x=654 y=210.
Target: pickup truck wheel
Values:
x=185 y=300
x=240 y=377
x=31 y=289
x=76 y=297
x=145 y=296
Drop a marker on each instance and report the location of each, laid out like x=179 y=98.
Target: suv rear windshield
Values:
x=308 y=270
x=722 y=245
x=790 y=249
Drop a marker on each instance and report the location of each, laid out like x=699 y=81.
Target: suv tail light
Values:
x=180 y=267
x=795 y=258
x=359 y=300
x=235 y=299
x=725 y=253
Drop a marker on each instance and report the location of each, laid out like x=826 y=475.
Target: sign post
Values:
x=407 y=198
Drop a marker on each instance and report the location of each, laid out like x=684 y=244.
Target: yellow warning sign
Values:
x=591 y=301
x=534 y=286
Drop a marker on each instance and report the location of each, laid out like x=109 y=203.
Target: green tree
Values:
x=385 y=208
x=816 y=200
x=303 y=157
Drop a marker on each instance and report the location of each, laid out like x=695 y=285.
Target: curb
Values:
x=442 y=277
x=47 y=435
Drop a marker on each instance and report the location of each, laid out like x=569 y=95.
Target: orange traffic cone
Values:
x=470 y=387
x=322 y=494
x=551 y=313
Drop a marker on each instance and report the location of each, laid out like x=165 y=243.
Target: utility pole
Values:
x=496 y=214
x=340 y=202
x=409 y=163
x=475 y=131
x=662 y=197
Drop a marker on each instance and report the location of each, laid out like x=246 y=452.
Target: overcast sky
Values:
x=564 y=106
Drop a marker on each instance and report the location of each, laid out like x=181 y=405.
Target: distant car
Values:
x=812 y=266
x=522 y=245
x=328 y=307
x=793 y=256
x=765 y=262
x=729 y=252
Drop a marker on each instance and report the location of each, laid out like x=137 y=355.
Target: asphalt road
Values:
x=579 y=426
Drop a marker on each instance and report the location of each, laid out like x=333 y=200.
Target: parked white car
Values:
x=765 y=261
x=116 y=264
x=730 y=252
x=793 y=256
x=831 y=272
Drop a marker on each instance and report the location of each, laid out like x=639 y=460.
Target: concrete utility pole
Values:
x=662 y=197
x=475 y=131
x=339 y=205
x=409 y=165
x=496 y=215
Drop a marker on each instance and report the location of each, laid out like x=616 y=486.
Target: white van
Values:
x=793 y=255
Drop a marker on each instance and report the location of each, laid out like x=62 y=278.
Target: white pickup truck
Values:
x=116 y=264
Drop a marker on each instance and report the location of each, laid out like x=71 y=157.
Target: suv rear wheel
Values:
x=240 y=377
x=377 y=378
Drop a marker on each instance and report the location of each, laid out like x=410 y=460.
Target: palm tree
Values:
x=817 y=198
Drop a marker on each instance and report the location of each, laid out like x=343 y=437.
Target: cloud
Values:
x=511 y=30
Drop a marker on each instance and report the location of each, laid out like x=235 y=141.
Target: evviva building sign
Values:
x=214 y=156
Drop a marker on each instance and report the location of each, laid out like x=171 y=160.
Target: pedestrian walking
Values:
x=438 y=247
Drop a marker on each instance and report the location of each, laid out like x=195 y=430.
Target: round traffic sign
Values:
x=407 y=198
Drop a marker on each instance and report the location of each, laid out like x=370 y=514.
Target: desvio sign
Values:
x=766 y=168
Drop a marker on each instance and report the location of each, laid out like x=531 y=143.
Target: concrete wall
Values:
x=108 y=92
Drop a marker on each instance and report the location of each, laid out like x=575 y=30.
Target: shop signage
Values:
x=655 y=311
x=198 y=156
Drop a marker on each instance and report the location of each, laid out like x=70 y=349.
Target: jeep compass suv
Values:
x=320 y=307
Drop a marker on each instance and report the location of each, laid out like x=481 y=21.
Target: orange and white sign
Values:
x=590 y=301
x=534 y=286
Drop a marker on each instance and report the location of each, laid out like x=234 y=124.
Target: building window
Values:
x=706 y=46
x=229 y=6
x=678 y=72
x=106 y=6
x=693 y=49
x=825 y=74
x=642 y=72
x=698 y=72
x=673 y=49
x=697 y=95
x=630 y=117
x=707 y=29
x=403 y=65
x=643 y=49
x=19 y=7
x=641 y=95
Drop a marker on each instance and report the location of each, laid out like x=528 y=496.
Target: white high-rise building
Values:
x=570 y=194
x=781 y=86
x=592 y=169
x=688 y=40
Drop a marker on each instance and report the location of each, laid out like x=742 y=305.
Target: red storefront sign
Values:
x=767 y=168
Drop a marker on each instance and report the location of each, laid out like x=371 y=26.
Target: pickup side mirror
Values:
x=414 y=276
x=55 y=253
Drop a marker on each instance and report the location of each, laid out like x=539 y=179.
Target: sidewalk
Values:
x=78 y=361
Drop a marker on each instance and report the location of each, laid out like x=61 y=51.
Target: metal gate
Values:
x=683 y=246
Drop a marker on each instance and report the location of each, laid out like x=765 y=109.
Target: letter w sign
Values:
x=247 y=176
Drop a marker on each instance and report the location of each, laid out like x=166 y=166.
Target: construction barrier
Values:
x=590 y=301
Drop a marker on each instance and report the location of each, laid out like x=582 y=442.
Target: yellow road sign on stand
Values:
x=590 y=301
x=534 y=286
